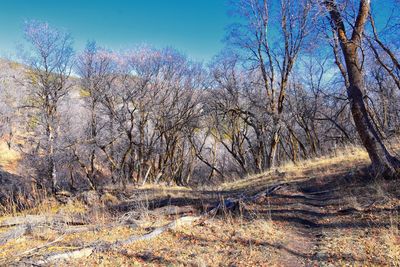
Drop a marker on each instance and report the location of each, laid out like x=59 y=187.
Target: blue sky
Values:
x=195 y=27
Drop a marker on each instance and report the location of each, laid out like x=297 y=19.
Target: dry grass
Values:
x=220 y=241
x=48 y=206
x=44 y=238
x=369 y=235
x=365 y=247
x=216 y=243
x=153 y=191
x=260 y=237
x=9 y=158
x=345 y=160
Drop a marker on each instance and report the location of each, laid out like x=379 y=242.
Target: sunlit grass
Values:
x=9 y=158
x=344 y=160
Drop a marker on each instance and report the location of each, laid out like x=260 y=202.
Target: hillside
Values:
x=320 y=212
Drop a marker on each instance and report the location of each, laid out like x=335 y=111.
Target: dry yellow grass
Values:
x=44 y=239
x=343 y=160
x=9 y=158
x=217 y=243
x=256 y=239
x=49 y=206
x=153 y=191
x=367 y=247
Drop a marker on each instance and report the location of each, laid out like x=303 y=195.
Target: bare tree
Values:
x=383 y=163
x=272 y=51
x=49 y=62
x=97 y=71
x=153 y=115
x=383 y=53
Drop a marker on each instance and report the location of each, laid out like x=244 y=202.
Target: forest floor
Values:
x=320 y=212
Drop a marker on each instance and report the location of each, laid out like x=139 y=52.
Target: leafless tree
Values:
x=153 y=115
x=49 y=67
x=383 y=162
x=97 y=71
x=270 y=46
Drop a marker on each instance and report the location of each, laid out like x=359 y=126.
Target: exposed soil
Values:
x=316 y=211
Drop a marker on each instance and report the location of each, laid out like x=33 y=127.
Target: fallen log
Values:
x=13 y=234
x=234 y=204
x=187 y=220
x=75 y=254
x=173 y=210
x=23 y=220
x=93 y=228
x=74 y=219
x=107 y=246
x=26 y=224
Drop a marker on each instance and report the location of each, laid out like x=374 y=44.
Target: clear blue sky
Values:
x=195 y=27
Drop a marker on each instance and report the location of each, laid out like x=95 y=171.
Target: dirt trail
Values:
x=312 y=211
x=300 y=210
x=304 y=209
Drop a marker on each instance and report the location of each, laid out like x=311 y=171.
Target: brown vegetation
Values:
x=320 y=211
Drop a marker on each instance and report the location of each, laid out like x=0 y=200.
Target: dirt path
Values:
x=315 y=212
x=304 y=208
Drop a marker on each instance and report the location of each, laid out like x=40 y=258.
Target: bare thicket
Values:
x=296 y=80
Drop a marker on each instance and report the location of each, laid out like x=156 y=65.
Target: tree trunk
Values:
x=276 y=135
x=273 y=149
x=51 y=169
x=383 y=163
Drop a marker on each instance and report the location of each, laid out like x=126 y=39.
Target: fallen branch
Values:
x=30 y=251
x=24 y=220
x=75 y=254
x=233 y=204
x=173 y=210
x=187 y=220
x=26 y=224
x=75 y=219
x=92 y=228
x=13 y=234
x=88 y=250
